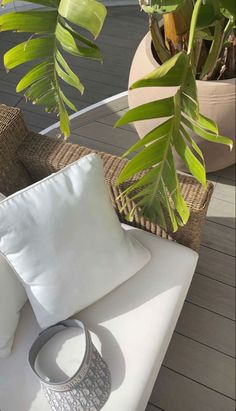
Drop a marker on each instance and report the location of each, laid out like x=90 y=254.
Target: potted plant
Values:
x=214 y=51
x=196 y=42
x=155 y=188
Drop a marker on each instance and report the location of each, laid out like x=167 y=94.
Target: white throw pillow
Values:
x=63 y=238
x=12 y=299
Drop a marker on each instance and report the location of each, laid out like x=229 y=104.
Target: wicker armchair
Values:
x=26 y=157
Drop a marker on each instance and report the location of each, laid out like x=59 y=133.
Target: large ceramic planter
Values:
x=217 y=101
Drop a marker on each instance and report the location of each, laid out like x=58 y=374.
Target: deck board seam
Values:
x=214 y=279
x=214 y=249
x=208 y=218
x=204 y=344
x=211 y=311
x=156 y=406
x=197 y=382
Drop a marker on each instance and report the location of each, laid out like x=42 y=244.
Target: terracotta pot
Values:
x=217 y=101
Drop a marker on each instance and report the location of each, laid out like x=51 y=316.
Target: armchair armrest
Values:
x=13 y=175
x=42 y=155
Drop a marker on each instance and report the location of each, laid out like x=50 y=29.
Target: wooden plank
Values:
x=217 y=265
x=102 y=111
x=194 y=323
x=225 y=190
x=95 y=145
x=114 y=117
x=202 y=364
x=221 y=212
x=212 y=295
x=219 y=238
x=108 y=135
x=228 y=173
x=9 y=99
x=40 y=120
x=175 y=392
x=151 y=407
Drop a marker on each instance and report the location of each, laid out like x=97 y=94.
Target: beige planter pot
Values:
x=217 y=101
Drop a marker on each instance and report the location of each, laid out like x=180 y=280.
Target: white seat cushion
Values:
x=132 y=326
x=12 y=299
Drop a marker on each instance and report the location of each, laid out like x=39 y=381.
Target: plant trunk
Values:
x=176 y=26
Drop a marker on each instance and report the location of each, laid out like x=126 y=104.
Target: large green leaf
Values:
x=168 y=74
x=89 y=14
x=35 y=74
x=206 y=135
x=29 y=21
x=191 y=161
x=155 y=109
x=29 y=50
x=158 y=132
x=54 y=31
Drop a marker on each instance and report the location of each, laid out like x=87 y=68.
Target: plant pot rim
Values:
x=209 y=83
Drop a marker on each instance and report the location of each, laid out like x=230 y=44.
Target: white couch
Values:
x=132 y=326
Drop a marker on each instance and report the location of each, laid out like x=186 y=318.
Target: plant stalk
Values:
x=193 y=25
x=177 y=26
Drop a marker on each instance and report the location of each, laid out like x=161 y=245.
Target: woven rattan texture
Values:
x=42 y=155
x=13 y=175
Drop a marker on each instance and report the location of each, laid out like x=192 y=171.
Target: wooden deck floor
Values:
x=198 y=370
x=123 y=29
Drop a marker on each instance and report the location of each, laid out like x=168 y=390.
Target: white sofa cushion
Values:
x=12 y=299
x=63 y=238
x=131 y=326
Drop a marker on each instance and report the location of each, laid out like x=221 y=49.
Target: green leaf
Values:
x=192 y=163
x=91 y=51
x=209 y=14
x=40 y=70
x=215 y=138
x=192 y=142
x=49 y=100
x=207 y=123
x=155 y=109
x=71 y=79
x=39 y=88
x=69 y=44
x=64 y=120
x=89 y=14
x=29 y=21
x=229 y=6
x=168 y=74
x=158 y=132
x=189 y=85
x=28 y=50
x=189 y=106
x=67 y=101
x=204 y=34
x=148 y=157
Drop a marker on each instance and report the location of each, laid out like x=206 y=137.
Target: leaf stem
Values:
x=194 y=19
